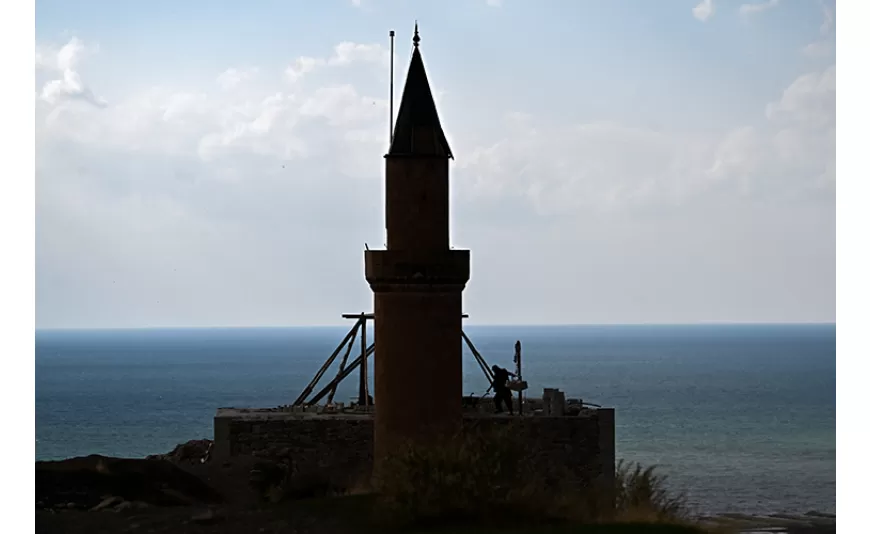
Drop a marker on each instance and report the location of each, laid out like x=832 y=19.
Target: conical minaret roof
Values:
x=418 y=130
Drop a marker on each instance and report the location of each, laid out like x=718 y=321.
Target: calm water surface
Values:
x=741 y=417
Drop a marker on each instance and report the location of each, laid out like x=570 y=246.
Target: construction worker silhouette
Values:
x=502 y=392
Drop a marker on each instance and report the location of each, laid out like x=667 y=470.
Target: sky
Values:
x=217 y=163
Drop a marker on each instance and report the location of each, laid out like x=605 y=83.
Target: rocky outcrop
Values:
x=193 y=451
x=88 y=482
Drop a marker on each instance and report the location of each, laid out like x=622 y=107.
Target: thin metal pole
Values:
x=392 y=54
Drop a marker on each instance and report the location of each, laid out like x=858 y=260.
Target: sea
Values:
x=739 y=417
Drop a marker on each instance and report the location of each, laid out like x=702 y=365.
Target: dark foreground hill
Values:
x=184 y=491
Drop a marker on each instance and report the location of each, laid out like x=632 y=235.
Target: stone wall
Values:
x=339 y=446
x=576 y=450
x=572 y=449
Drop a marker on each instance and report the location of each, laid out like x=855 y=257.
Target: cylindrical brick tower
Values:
x=417 y=282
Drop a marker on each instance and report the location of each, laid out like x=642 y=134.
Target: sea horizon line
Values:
x=469 y=324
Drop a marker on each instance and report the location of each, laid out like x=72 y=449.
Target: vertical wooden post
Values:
x=364 y=368
x=518 y=358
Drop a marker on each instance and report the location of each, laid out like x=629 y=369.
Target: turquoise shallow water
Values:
x=741 y=417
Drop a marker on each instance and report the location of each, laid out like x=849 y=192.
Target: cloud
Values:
x=560 y=170
x=810 y=99
x=829 y=21
x=60 y=79
x=824 y=46
x=794 y=149
x=608 y=166
x=232 y=78
x=553 y=168
x=356 y=3
x=220 y=131
x=214 y=205
x=493 y=3
x=347 y=52
x=751 y=9
x=344 y=54
x=173 y=192
x=704 y=10
x=301 y=67
x=818 y=49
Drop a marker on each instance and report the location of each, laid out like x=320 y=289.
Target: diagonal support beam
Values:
x=487 y=372
x=341 y=376
x=345 y=370
x=344 y=362
x=307 y=391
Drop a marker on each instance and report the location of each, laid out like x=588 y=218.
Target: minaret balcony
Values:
x=417 y=267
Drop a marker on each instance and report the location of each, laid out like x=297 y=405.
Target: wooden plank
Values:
x=372 y=315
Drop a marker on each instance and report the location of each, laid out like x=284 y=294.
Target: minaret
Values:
x=417 y=281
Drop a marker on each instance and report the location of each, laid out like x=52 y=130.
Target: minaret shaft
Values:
x=417 y=282
x=417 y=204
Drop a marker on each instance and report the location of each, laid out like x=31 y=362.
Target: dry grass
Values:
x=642 y=494
x=470 y=477
x=483 y=478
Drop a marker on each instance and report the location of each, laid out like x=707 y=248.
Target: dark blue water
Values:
x=741 y=417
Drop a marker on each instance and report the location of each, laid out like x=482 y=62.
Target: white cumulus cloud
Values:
x=759 y=7
x=704 y=10
x=344 y=54
x=825 y=44
x=232 y=77
x=607 y=166
x=61 y=80
x=214 y=205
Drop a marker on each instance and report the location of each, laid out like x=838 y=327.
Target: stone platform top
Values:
x=552 y=404
x=260 y=414
x=354 y=414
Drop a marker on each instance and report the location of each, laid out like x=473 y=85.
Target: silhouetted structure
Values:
x=417 y=281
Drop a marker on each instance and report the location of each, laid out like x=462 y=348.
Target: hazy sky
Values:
x=210 y=163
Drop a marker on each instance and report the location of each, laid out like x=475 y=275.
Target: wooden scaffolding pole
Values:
x=366 y=351
x=307 y=391
x=343 y=363
x=518 y=359
x=341 y=376
x=487 y=372
x=364 y=367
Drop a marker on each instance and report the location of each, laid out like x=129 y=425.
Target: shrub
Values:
x=643 y=494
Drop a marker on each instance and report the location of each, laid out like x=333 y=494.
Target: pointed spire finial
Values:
x=417 y=130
